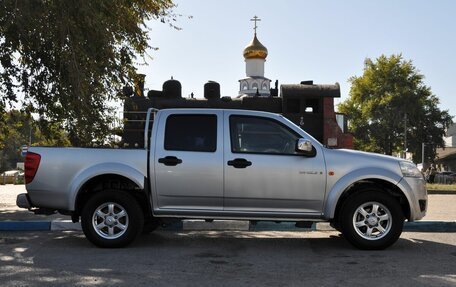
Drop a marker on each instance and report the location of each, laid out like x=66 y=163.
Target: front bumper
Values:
x=415 y=190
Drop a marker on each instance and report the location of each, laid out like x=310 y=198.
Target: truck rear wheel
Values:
x=371 y=219
x=112 y=219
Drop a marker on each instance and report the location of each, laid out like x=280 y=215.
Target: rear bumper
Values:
x=23 y=201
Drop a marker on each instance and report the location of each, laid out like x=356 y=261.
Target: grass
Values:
x=436 y=186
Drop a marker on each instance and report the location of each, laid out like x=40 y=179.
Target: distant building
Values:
x=447 y=156
x=450 y=137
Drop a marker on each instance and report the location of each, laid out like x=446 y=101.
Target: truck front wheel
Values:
x=371 y=219
x=112 y=219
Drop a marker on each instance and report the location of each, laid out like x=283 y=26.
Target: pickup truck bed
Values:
x=63 y=171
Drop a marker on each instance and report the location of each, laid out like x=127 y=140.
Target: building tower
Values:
x=255 y=84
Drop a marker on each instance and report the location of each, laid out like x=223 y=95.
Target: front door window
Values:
x=261 y=136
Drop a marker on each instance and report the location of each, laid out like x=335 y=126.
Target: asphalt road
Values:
x=226 y=259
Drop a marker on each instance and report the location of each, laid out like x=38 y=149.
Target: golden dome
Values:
x=255 y=50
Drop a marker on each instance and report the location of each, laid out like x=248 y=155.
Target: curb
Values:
x=221 y=225
x=438 y=191
x=430 y=226
x=25 y=225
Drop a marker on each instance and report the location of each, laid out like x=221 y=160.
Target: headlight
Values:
x=409 y=169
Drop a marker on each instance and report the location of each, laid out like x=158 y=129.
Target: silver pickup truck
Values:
x=224 y=164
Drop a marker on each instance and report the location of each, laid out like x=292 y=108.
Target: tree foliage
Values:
x=23 y=130
x=390 y=103
x=66 y=59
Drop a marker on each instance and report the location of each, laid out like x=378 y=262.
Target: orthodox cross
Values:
x=255 y=19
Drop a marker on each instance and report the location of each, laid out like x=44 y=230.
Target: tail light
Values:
x=32 y=162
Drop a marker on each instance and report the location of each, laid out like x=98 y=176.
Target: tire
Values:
x=371 y=219
x=335 y=224
x=112 y=219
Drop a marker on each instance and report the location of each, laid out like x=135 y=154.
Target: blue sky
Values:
x=324 y=41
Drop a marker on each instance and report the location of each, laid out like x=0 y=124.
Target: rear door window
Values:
x=191 y=133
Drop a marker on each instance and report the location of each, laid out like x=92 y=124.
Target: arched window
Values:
x=254 y=86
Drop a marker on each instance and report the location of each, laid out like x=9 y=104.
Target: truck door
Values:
x=264 y=172
x=189 y=160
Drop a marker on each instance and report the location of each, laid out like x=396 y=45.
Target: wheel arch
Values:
x=353 y=183
x=386 y=186
x=113 y=182
x=95 y=172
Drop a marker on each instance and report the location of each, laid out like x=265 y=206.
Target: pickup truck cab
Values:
x=224 y=164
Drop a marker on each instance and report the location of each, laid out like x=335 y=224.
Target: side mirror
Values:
x=304 y=145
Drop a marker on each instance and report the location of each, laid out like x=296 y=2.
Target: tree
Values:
x=66 y=59
x=389 y=104
x=23 y=129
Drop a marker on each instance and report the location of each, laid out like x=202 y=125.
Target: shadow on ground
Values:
x=10 y=214
x=223 y=259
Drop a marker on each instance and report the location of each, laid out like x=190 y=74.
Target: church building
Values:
x=255 y=83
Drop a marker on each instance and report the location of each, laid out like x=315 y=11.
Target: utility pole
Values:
x=30 y=131
x=422 y=154
x=405 y=135
x=30 y=134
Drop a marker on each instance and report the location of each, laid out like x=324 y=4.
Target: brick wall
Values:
x=332 y=134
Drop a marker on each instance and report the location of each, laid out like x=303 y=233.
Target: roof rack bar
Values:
x=146 y=129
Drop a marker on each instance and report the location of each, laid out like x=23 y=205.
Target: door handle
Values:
x=170 y=160
x=239 y=163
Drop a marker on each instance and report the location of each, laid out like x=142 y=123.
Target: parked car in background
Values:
x=445 y=177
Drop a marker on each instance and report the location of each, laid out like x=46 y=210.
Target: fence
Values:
x=16 y=178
